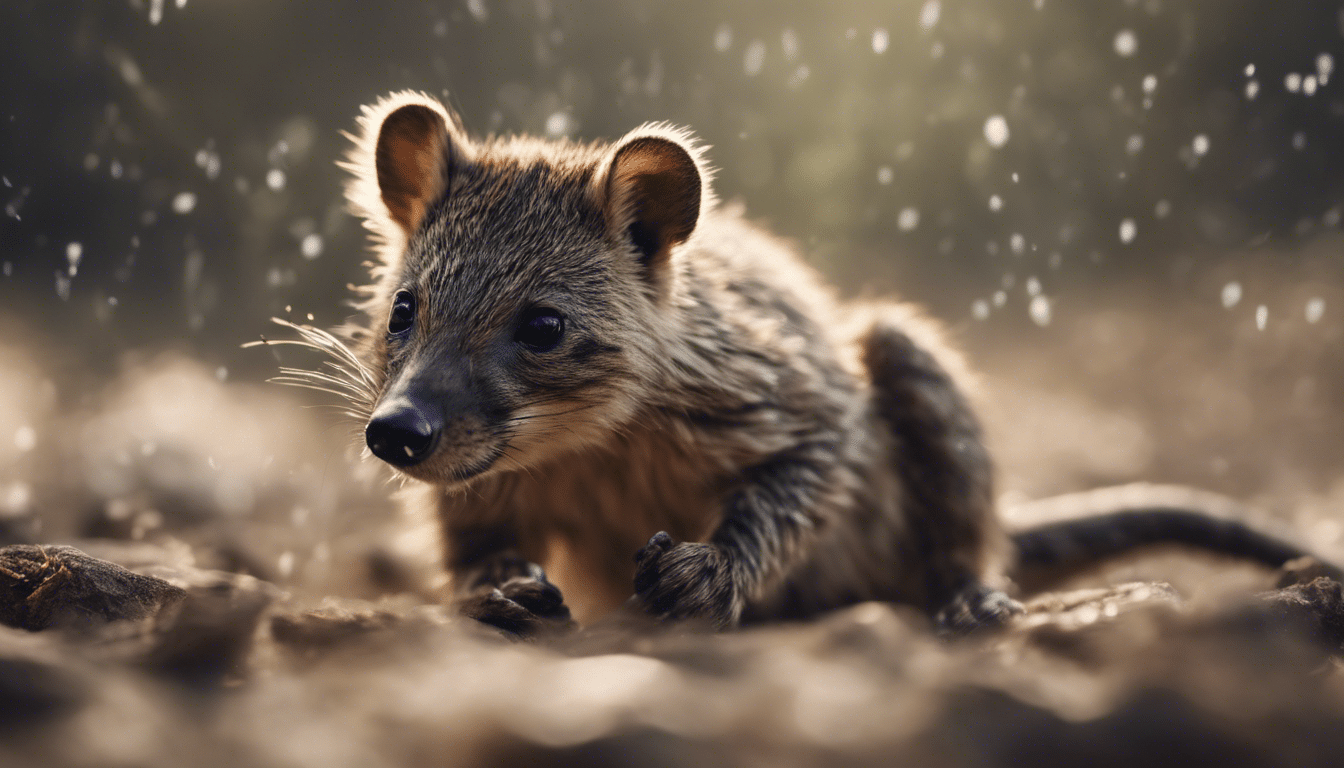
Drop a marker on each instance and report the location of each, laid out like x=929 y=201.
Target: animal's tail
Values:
x=1077 y=532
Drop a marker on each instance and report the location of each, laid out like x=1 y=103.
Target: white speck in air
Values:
x=995 y=203
x=928 y=15
x=908 y=219
x=1128 y=231
x=885 y=175
x=1231 y=295
x=478 y=10
x=1315 y=309
x=1250 y=70
x=208 y=161
x=1126 y=43
x=996 y=131
x=754 y=59
x=723 y=38
x=1039 y=309
x=1134 y=144
x=1252 y=89
x=557 y=124
x=1162 y=209
x=1018 y=243
x=275 y=179
x=311 y=246
x=1149 y=83
x=1293 y=82
x=184 y=203
x=880 y=40
x=1200 y=145
x=980 y=309
x=63 y=286
x=1261 y=317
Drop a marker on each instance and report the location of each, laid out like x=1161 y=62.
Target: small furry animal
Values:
x=590 y=366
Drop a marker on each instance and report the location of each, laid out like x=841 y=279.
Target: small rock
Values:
x=44 y=586
x=209 y=633
x=1318 y=607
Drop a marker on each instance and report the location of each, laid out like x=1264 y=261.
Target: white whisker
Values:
x=344 y=375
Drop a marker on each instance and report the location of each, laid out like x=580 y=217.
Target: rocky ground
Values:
x=200 y=572
x=104 y=666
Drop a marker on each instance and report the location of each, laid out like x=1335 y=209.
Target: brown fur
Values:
x=586 y=364
x=806 y=454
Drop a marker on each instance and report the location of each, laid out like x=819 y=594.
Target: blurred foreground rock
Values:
x=41 y=586
x=170 y=661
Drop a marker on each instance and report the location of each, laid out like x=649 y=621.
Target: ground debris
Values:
x=45 y=586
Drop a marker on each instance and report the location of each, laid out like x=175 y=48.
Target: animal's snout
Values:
x=403 y=432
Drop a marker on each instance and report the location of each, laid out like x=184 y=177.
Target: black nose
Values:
x=403 y=433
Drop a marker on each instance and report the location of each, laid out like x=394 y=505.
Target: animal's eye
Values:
x=540 y=330
x=403 y=313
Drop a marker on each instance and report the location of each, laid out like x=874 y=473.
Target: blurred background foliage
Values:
x=1127 y=212
x=1039 y=172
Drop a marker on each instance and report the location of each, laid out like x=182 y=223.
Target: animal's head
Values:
x=522 y=288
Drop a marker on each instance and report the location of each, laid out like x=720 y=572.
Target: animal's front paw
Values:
x=523 y=606
x=976 y=608
x=686 y=581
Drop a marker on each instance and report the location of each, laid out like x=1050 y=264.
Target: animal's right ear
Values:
x=403 y=162
x=413 y=159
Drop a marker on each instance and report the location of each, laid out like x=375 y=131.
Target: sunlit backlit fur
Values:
x=713 y=432
x=707 y=385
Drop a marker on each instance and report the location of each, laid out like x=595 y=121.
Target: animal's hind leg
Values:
x=945 y=472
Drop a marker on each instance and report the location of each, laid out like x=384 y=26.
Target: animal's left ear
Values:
x=653 y=193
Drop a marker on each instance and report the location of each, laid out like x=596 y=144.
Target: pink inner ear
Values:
x=654 y=191
x=412 y=160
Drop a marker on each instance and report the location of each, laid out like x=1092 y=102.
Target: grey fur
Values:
x=715 y=433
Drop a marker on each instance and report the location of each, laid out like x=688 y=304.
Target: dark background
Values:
x=145 y=132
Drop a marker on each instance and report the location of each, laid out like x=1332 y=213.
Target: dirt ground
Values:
x=311 y=635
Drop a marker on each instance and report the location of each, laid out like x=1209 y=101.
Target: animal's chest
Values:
x=630 y=492
x=586 y=517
